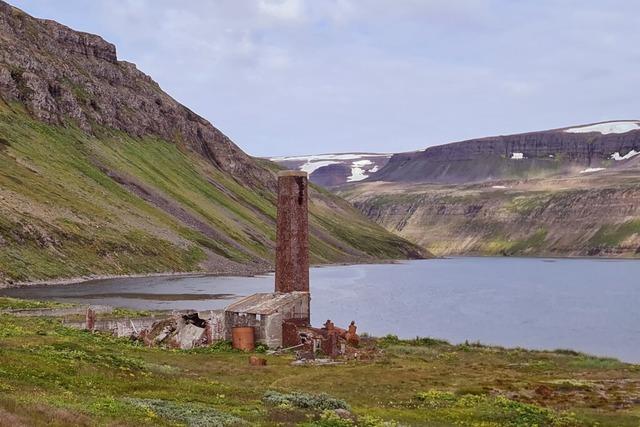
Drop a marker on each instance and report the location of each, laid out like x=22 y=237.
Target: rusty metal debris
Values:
x=329 y=340
x=257 y=361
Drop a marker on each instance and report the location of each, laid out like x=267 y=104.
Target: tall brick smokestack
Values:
x=292 y=236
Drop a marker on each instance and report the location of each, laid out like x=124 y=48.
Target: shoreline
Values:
x=380 y=277
x=91 y=278
x=249 y=272
x=553 y=257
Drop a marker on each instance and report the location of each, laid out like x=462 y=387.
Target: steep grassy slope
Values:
x=101 y=172
x=75 y=204
x=595 y=214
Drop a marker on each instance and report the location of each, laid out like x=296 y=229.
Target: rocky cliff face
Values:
x=564 y=192
x=63 y=75
x=528 y=155
x=101 y=172
x=590 y=215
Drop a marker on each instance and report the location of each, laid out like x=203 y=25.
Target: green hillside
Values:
x=74 y=204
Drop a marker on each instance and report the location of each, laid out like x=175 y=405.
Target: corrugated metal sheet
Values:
x=267 y=303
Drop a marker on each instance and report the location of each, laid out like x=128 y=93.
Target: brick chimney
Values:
x=292 y=236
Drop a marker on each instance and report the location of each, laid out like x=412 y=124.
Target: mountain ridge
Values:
x=518 y=156
x=334 y=169
x=572 y=191
x=102 y=173
x=536 y=154
x=62 y=74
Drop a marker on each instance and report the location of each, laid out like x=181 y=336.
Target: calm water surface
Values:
x=586 y=305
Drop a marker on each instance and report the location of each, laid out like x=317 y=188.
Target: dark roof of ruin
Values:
x=266 y=303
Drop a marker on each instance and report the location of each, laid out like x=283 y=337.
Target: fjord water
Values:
x=581 y=304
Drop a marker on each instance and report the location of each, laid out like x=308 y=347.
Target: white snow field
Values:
x=630 y=154
x=315 y=157
x=607 y=128
x=358 y=165
x=590 y=170
x=357 y=171
x=310 y=167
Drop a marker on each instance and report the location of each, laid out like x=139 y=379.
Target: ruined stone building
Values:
x=267 y=313
x=279 y=319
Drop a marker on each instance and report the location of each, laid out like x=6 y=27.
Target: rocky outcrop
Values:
x=62 y=75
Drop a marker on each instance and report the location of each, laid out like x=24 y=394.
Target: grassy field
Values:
x=52 y=375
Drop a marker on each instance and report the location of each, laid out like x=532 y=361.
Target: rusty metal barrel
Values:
x=242 y=338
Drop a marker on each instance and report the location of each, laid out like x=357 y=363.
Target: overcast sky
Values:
x=285 y=77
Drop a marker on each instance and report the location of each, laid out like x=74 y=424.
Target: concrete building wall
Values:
x=217 y=323
x=125 y=327
x=268 y=327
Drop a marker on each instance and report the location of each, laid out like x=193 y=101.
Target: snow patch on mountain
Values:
x=359 y=165
x=357 y=171
x=590 y=170
x=310 y=167
x=607 y=128
x=630 y=154
x=317 y=157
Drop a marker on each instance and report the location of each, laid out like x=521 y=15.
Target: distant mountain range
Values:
x=331 y=170
x=558 y=152
x=573 y=191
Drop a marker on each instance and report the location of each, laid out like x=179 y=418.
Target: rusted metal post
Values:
x=208 y=333
x=90 y=319
x=292 y=235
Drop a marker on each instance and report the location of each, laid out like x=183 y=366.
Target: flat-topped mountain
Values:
x=528 y=155
x=566 y=192
x=101 y=172
x=557 y=152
